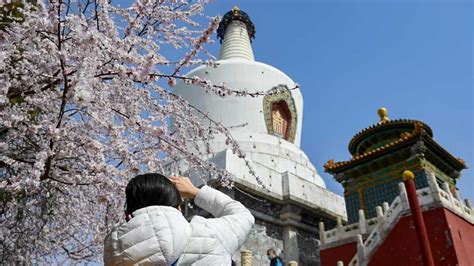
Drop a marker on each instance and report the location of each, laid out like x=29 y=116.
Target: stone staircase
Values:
x=375 y=230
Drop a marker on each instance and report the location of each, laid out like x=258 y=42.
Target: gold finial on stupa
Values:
x=407 y=175
x=383 y=113
x=235 y=9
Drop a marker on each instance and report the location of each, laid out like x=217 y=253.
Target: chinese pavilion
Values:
x=380 y=153
x=402 y=202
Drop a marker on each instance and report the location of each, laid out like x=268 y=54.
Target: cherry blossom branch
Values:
x=198 y=44
x=199 y=82
x=82 y=113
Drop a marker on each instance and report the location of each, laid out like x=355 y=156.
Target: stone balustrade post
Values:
x=360 y=249
x=322 y=233
x=339 y=227
x=468 y=203
x=457 y=195
x=246 y=257
x=447 y=189
x=403 y=195
x=362 y=222
x=385 y=207
x=380 y=219
x=433 y=184
x=379 y=211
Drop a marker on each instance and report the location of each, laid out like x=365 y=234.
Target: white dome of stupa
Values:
x=271 y=136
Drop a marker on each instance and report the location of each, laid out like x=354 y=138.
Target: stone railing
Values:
x=450 y=201
x=388 y=216
x=363 y=227
x=342 y=232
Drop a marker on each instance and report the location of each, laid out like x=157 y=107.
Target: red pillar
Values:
x=427 y=256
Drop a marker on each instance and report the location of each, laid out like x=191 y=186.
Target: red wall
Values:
x=401 y=246
x=451 y=241
x=343 y=253
x=462 y=234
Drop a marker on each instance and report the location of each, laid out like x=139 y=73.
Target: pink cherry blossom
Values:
x=85 y=105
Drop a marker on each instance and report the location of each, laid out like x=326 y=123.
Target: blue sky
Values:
x=352 y=57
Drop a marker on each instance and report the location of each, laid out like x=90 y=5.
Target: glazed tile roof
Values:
x=420 y=128
x=383 y=124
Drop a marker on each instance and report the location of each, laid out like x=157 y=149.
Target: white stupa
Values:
x=271 y=136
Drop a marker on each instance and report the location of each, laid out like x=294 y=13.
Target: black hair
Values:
x=149 y=190
x=271 y=251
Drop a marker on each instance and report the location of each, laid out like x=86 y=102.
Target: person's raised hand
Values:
x=185 y=187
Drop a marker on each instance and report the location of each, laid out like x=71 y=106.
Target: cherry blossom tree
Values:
x=85 y=105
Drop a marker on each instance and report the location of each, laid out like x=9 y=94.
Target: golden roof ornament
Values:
x=383 y=114
x=235 y=9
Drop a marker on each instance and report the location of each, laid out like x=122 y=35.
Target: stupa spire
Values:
x=236 y=32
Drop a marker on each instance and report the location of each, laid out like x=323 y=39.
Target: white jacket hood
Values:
x=155 y=235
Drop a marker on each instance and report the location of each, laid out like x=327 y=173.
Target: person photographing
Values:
x=156 y=233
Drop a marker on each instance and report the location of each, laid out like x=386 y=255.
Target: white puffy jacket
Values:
x=160 y=235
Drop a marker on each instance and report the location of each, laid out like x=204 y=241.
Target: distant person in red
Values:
x=274 y=259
